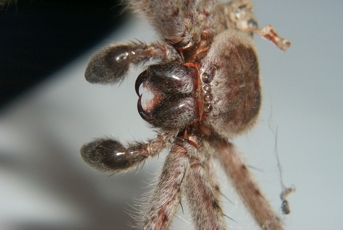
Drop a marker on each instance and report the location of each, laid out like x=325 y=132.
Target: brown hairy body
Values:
x=206 y=87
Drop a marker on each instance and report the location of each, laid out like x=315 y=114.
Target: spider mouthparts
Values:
x=146 y=116
x=152 y=96
x=141 y=78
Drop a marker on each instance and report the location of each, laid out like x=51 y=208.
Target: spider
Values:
x=205 y=83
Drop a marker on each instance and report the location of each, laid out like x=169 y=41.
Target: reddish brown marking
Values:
x=193 y=143
x=191 y=64
x=164 y=216
x=188 y=137
x=198 y=94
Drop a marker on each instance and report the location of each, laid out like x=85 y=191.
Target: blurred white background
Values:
x=44 y=184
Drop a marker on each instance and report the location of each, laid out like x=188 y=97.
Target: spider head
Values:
x=230 y=74
x=222 y=90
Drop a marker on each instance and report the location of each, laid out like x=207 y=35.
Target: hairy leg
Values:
x=180 y=23
x=111 y=64
x=166 y=16
x=160 y=209
x=203 y=194
x=109 y=155
x=245 y=184
x=239 y=14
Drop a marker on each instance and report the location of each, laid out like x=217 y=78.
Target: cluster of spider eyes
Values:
x=207 y=78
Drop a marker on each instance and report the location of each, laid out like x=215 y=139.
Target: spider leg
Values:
x=109 y=155
x=166 y=16
x=160 y=209
x=239 y=14
x=213 y=178
x=181 y=23
x=111 y=64
x=202 y=193
x=236 y=14
x=245 y=184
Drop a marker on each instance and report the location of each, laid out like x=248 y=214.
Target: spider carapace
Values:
x=206 y=89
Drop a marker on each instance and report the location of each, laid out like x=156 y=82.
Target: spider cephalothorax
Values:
x=206 y=88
